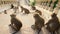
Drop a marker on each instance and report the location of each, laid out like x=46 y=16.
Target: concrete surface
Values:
x=27 y=21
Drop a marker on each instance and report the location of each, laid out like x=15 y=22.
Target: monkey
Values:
x=5 y=12
x=15 y=23
x=33 y=8
x=15 y=9
x=40 y=13
x=53 y=24
x=25 y=10
x=39 y=23
x=12 y=6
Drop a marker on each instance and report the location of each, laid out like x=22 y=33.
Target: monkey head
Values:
x=13 y=15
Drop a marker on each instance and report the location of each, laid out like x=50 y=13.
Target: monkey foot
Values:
x=15 y=32
x=33 y=27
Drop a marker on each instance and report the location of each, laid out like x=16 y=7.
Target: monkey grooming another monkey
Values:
x=53 y=24
x=15 y=23
x=39 y=23
x=25 y=10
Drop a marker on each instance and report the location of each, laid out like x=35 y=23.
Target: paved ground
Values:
x=27 y=21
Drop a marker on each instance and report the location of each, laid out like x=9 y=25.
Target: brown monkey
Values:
x=39 y=12
x=5 y=12
x=12 y=6
x=25 y=10
x=15 y=23
x=53 y=24
x=33 y=7
x=15 y=9
x=39 y=23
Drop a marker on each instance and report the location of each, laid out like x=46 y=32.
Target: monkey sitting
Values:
x=33 y=8
x=15 y=9
x=12 y=6
x=53 y=24
x=39 y=23
x=25 y=10
x=40 y=13
x=5 y=12
x=15 y=23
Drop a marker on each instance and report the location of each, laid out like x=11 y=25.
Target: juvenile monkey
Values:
x=5 y=12
x=15 y=23
x=25 y=10
x=33 y=8
x=39 y=23
x=12 y=6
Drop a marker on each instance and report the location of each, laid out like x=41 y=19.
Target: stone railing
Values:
x=7 y=2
